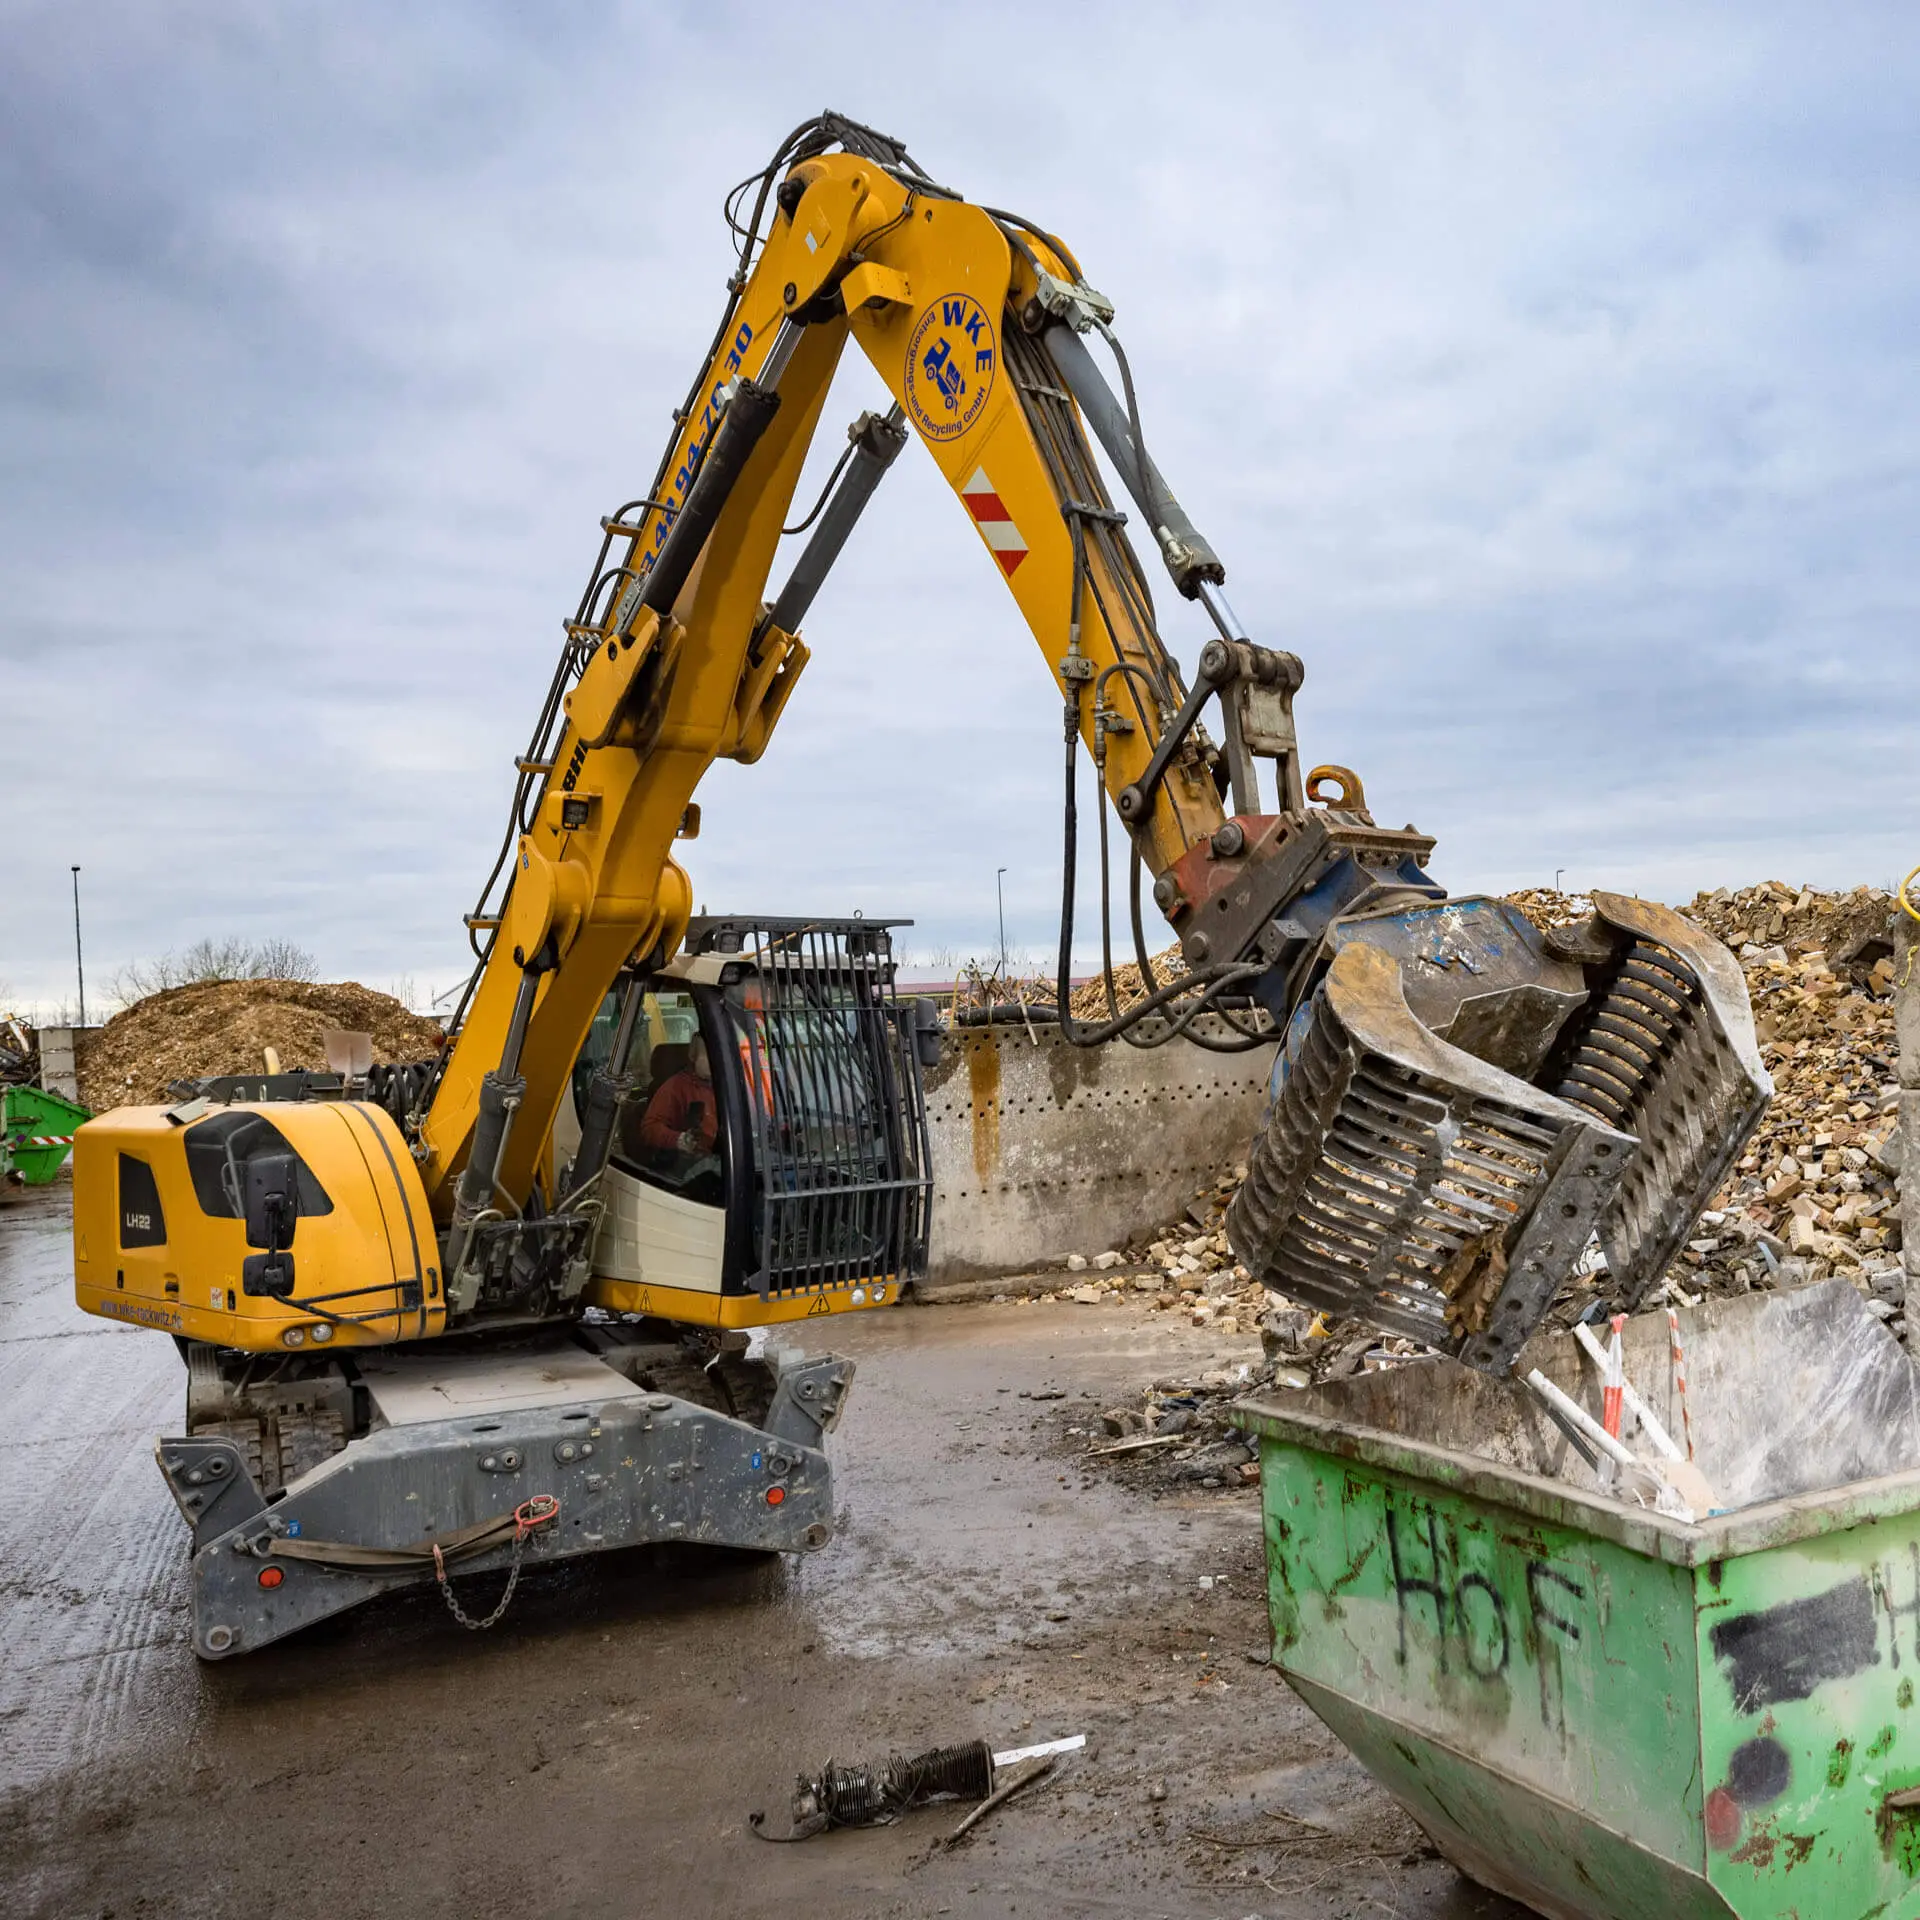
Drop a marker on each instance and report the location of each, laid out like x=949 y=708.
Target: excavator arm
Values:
x=676 y=655
x=1460 y=1107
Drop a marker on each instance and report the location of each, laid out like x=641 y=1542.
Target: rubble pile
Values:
x=1179 y=1430
x=225 y=1026
x=1814 y=1194
x=1185 y=1266
x=1090 y=1000
x=977 y=995
x=1547 y=909
x=1854 y=930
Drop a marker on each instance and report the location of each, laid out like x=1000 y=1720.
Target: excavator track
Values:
x=306 y=1440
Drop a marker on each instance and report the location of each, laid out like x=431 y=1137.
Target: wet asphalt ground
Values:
x=598 y=1753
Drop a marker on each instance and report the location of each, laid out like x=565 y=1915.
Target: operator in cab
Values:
x=681 y=1123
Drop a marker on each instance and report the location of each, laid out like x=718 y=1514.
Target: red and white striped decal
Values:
x=49 y=1140
x=994 y=521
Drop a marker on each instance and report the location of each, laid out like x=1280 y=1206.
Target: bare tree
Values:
x=208 y=959
x=281 y=960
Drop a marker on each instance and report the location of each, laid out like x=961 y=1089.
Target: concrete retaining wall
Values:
x=1041 y=1150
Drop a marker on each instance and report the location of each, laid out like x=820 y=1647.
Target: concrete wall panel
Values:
x=1041 y=1149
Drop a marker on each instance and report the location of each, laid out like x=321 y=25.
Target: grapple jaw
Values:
x=1448 y=1195
x=1664 y=1047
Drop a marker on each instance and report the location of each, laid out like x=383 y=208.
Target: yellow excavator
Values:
x=509 y=1305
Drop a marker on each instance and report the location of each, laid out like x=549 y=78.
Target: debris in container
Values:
x=1613 y=1392
x=1679 y=1354
x=1597 y=1715
x=1649 y=1482
x=1603 y=1358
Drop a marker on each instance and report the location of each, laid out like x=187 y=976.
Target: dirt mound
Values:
x=224 y=1026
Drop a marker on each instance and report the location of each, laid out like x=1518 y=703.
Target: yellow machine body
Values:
x=699 y=1308
x=650 y=693
x=159 y=1237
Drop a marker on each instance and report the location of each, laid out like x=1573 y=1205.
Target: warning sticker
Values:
x=995 y=522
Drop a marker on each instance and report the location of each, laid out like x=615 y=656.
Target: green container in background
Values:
x=1592 y=1708
x=36 y=1133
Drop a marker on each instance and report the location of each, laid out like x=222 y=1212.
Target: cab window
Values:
x=218 y=1150
x=670 y=1133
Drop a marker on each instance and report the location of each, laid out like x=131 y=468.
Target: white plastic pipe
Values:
x=1014 y=1755
x=1635 y=1405
x=1581 y=1418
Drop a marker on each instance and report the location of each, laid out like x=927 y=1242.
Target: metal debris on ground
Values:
x=875 y=1796
x=842 y=1796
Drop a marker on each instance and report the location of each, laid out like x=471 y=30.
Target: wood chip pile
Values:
x=1090 y=1001
x=224 y=1026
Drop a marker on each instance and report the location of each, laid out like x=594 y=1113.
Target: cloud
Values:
x=1545 y=379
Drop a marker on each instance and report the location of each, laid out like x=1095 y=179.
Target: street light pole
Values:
x=1000 y=895
x=79 y=958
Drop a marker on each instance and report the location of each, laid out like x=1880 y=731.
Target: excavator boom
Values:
x=1532 y=1098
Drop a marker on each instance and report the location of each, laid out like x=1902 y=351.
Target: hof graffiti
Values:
x=1469 y=1616
x=1471 y=1610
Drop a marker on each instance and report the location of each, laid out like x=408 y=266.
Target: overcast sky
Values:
x=1546 y=376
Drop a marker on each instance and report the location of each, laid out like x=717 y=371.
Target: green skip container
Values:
x=36 y=1133
x=1593 y=1708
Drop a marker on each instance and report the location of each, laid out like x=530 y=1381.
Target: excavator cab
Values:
x=770 y=1159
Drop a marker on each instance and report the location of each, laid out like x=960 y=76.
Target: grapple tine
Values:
x=1412 y=1185
x=1668 y=1010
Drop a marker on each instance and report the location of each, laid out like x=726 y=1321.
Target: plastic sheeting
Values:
x=1791 y=1393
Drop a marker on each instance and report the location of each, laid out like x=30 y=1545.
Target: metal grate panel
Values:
x=842 y=1170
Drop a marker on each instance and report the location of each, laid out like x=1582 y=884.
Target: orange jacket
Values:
x=666 y=1116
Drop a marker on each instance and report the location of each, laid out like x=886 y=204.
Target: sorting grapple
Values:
x=1464 y=1106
